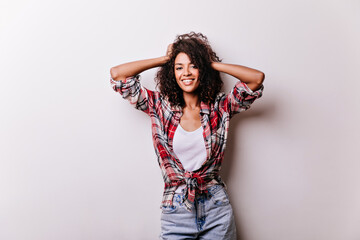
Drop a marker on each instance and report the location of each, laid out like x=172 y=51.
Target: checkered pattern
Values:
x=165 y=119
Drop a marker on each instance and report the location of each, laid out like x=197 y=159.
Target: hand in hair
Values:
x=169 y=51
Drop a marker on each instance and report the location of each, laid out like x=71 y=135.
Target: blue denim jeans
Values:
x=211 y=218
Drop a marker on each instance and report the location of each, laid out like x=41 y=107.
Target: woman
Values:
x=190 y=120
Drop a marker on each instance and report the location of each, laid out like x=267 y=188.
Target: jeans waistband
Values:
x=179 y=197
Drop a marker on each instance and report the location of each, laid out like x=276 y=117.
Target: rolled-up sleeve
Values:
x=132 y=90
x=240 y=98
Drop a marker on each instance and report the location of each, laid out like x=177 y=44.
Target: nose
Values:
x=187 y=72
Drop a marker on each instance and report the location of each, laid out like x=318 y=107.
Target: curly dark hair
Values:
x=197 y=47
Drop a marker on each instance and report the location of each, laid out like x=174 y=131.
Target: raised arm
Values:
x=252 y=77
x=122 y=71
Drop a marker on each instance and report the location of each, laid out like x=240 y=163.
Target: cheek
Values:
x=196 y=73
x=177 y=75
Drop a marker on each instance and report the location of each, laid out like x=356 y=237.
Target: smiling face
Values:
x=186 y=73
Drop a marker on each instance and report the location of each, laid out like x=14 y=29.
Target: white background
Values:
x=77 y=161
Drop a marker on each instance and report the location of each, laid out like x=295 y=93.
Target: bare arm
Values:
x=252 y=77
x=122 y=71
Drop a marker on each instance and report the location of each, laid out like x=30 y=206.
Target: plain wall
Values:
x=77 y=161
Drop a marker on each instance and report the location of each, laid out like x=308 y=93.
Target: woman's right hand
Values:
x=169 y=51
x=122 y=71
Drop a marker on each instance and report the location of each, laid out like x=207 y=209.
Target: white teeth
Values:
x=187 y=81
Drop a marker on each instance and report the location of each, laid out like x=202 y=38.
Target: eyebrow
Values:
x=182 y=63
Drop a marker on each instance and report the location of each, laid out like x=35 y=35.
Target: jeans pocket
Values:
x=168 y=209
x=220 y=196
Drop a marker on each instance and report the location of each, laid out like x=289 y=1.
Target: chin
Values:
x=192 y=90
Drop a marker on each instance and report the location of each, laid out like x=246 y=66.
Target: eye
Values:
x=193 y=66
x=178 y=68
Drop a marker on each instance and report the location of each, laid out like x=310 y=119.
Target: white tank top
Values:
x=190 y=149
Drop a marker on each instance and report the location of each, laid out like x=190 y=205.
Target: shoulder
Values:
x=219 y=98
x=161 y=105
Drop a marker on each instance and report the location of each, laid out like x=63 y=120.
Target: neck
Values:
x=191 y=100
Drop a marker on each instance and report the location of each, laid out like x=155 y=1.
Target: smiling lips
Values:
x=188 y=82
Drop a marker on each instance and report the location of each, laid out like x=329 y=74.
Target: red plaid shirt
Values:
x=165 y=119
